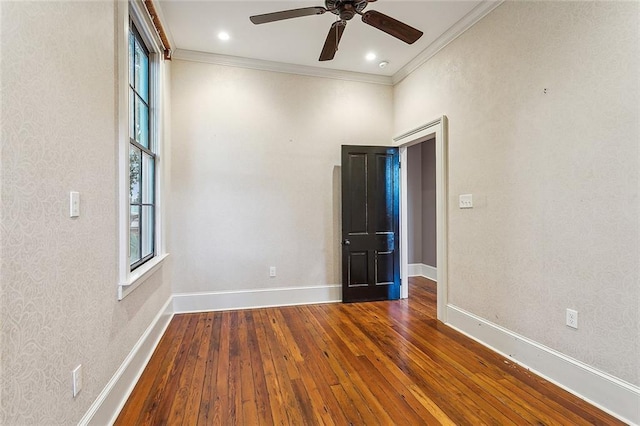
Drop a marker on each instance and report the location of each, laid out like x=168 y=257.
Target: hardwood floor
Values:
x=386 y=363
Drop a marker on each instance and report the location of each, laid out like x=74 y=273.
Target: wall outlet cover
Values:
x=572 y=318
x=465 y=201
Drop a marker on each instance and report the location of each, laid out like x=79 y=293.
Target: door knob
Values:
x=346 y=242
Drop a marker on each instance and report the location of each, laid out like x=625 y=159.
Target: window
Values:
x=142 y=155
x=141 y=72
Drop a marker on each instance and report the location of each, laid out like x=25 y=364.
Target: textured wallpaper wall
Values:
x=555 y=175
x=58 y=299
x=255 y=173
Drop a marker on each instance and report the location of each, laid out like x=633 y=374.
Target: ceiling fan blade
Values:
x=331 y=43
x=391 y=26
x=287 y=14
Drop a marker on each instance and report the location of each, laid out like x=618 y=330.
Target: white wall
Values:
x=555 y=175
x=58 y=288
x=256 y=173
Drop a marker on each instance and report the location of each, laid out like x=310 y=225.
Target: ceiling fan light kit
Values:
x=345 y=10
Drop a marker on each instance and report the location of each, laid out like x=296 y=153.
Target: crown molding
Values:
x=258 y=64
x=478 y=12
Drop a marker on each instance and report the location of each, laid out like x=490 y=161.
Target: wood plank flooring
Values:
x=378 y=363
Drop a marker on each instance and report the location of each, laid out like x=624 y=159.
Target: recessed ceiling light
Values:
x=383 y=64
x=370 y=56
x=224 y=36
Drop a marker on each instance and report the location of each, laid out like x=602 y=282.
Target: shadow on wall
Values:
x=129 y=307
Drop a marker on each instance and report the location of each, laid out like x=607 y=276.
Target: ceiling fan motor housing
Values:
x=346 y=9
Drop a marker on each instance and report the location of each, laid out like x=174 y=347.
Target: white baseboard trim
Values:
x=260 y=298
x=615 y=396
x=422 y=270
x=108 y=404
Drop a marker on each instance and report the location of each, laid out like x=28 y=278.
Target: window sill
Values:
x=140 y=275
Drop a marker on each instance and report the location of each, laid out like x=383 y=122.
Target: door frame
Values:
x=433 y=129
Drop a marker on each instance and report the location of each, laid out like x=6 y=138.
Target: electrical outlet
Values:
x=572 y=318
x=465 y=201
x=272 y=271
x=76 y=376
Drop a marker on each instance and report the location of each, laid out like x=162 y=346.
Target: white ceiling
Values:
x=194 y=26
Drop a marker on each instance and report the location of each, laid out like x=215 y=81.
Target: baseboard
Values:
x=422 y=270
x=617 y=397
x=261 y=298
x=108 y=404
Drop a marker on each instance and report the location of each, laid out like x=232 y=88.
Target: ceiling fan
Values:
x=345 y=10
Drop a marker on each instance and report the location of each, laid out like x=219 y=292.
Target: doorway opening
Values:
x=421 y=210
x=435 y=131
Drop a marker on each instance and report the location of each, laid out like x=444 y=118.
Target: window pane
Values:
x=136 y=118
x=142 y=123
x=147 y=230
x=137 y=53
x=134 y=235
x=143 y=77
x=132 y=133
x=131 y=47
x=148 y=169
x=135 y=174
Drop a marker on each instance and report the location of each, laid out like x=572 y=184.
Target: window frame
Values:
x=150 y=150
x=134 y=13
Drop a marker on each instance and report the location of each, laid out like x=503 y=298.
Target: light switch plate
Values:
x=74 y=204
x=77 y=380
x=466 y=201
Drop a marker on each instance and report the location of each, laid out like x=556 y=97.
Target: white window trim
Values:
x=129 y=280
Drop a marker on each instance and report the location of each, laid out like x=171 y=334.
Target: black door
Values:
x=370 y=225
